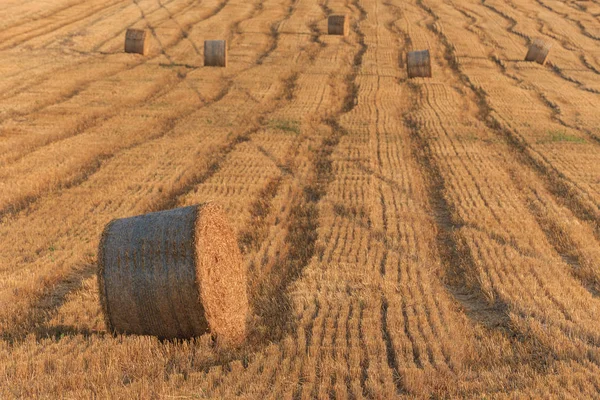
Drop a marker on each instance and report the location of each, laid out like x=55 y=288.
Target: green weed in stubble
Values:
x=556 y=136
x=291 y=126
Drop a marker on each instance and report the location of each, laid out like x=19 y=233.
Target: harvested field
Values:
x=419 y=238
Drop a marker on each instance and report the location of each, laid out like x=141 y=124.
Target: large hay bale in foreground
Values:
x=174 y=274
x=215 y=53
x=418 y=64
x=136 y=41
x=538 y=51
x=338 y=25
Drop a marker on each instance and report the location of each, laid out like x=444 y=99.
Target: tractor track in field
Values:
x=82 y=86
x=40 y=17
x=60 y=39
x=172 y=16
x=559 y=185
x=29 y=35
x=294 y=235
x=553 y=108
x=168 y=124
x=42 y=310
x=522 y=155
x=302 y=224
x=456 y=258
x=577 y=23
x=140 y=61
x=512 y=30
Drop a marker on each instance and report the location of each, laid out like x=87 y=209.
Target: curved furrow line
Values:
x=18 y=87
x=566 y=16
x=184 y=33
x=454 y=261
x=414 y=338
x=418 y=347
x=554 y=299
x=544 y=28
x=567 y=45
x=472 y=26
x=57 y=42
x=261 y=202
x=50 y=75
x=580 y=85
x=299 y=247
x=488 y=113
x=553 y=108
x=61 y=38
x=582 y=8
x=512 y=22
x=92 y=121
x=551 y=296
x=412 y=329
x=43 y=308
x=39 y=17
x=575 y=249
x=184 y=29
x=564 y=187
x=169 y=199
x=546 y=166
x=446 y=245
x=37 y=32
x=403 y=38
x=83 y=171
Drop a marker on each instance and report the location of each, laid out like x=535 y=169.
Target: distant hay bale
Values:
x=418 y=64
x=136 y=41
x=215 y=53
x=338 y=25
x=174 y=274
x=538 y=51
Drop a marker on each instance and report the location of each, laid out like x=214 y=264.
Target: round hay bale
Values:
x=338 y=25
x=418 y=64
x=136 y=41
x=174 y=274
x=538 y=51
x=215 y=53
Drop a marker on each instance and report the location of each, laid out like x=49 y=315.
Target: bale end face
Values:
x=215 y=53
x=538 y=51
x=338 y=25
x=223 y=276
x=174 y=274
x=418 y=64
x=136 y=41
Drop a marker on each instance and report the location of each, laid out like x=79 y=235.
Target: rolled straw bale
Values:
x=338 y=25
x=174 y=274
x=215 y=53
x=418 y=64
x=538 y=51
x=136 y=41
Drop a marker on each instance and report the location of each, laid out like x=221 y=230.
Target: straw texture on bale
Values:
x=418 y=64
x=136 y=41
x=174 y=274
x=338 y=25
x=538 y=51
x=215 y=53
